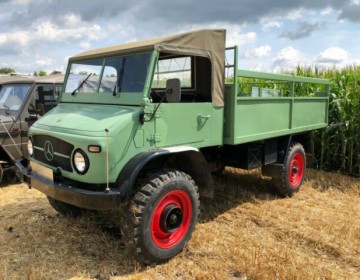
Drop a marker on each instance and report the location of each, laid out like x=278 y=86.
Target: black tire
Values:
x=293 y=171
x=1 y=174
x=161 y=216
x=66 y=209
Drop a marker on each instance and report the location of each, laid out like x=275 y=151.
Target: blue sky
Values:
x=273 y=35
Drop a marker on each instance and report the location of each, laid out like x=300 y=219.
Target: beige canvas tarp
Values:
x=16 y=79
x=206 y=43
x=51 y=79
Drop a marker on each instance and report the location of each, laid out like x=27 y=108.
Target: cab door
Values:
x=184 y=124
x=44 y=98
x=189 y=119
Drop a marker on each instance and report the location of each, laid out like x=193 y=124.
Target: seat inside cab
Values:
x=194 y=73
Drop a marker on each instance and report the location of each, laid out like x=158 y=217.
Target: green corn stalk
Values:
x=338 y=147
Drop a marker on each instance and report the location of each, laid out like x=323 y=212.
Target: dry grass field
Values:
x=245 y=233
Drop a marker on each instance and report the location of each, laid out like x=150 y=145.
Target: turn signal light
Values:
x=94 y=149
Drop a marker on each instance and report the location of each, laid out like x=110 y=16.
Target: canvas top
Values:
x=208 y=43
x=51 y=79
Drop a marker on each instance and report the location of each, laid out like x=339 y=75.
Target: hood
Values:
x=6 y=119
x=8 y=122
x=82 y=118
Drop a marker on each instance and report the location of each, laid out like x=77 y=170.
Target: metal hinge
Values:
x=154 y=138
x=150 y=111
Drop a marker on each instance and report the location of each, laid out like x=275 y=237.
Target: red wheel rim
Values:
x=296 y=170
x=171 y=219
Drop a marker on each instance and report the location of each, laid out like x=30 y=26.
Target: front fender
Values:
x=129 y=174
x=185 y=158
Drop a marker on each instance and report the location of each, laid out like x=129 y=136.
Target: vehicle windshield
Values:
x=12 y=96
x=110 y=75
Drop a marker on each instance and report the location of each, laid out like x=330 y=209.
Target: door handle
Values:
x=202 y=119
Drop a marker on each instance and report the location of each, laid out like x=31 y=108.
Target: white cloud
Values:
x=333 y=55
x=235 y=37
x=295 y=14
x=15 y=43
x=50 y=32
x=18 y=37
x=272 y=24
x=326 y=11
x=85 y=45
x=71 y=20
x=43 y=61
x=288 y=58
x=258 y=52
x=21 y=2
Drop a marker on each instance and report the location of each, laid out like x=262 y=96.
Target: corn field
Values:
x=337 y=148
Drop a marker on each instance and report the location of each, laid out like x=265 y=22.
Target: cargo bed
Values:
x=264 y=112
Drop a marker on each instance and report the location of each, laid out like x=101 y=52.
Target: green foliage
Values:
x=338 y=146
x=6 y=70
x=42 y=73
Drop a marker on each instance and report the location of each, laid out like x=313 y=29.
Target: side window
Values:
x=194 y=73
x=173 y=67
x=46 y=96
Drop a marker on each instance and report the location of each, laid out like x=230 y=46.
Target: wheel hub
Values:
x=171 y=218
x=295 y=169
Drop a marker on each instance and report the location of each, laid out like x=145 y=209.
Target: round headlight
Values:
x=81 y=162
x=30 y=147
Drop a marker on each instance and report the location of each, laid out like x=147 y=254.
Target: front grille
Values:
x=58 y=156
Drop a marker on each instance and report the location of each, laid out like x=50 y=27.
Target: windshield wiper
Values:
x=81 y=84
x=7 y=108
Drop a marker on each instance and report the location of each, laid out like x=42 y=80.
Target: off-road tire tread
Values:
x=282 y=185
x=132 y=218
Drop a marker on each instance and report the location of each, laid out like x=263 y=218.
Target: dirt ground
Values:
x=247 y=232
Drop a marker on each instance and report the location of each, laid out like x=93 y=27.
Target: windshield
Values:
x=110 y=75
x=13 y=96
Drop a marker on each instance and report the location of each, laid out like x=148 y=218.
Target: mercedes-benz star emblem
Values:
x=49 y=151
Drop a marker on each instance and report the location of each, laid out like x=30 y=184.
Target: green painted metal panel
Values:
x=307 y=112
x=254 y=117
x=261 y=118
x=127 y=137
x=217 y=126
x=280 y=77
x=184 y=124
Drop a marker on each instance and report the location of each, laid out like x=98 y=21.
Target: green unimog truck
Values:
x=144 y=125
x=22 y=101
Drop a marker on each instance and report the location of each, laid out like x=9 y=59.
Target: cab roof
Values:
x=51 y=79
x=208 y=43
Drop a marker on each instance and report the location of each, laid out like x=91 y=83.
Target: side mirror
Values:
x=173 y=91
x=33 y=114
x=40 y=109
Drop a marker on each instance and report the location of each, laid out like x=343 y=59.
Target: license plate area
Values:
x=42 y=171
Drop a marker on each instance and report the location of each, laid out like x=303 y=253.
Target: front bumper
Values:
x=96 y=200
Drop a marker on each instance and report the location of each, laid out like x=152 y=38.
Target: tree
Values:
x=42 y=73
x=54 y=72
x=6 y=70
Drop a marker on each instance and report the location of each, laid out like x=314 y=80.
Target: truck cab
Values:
x=144 y=125
x=22 y=101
